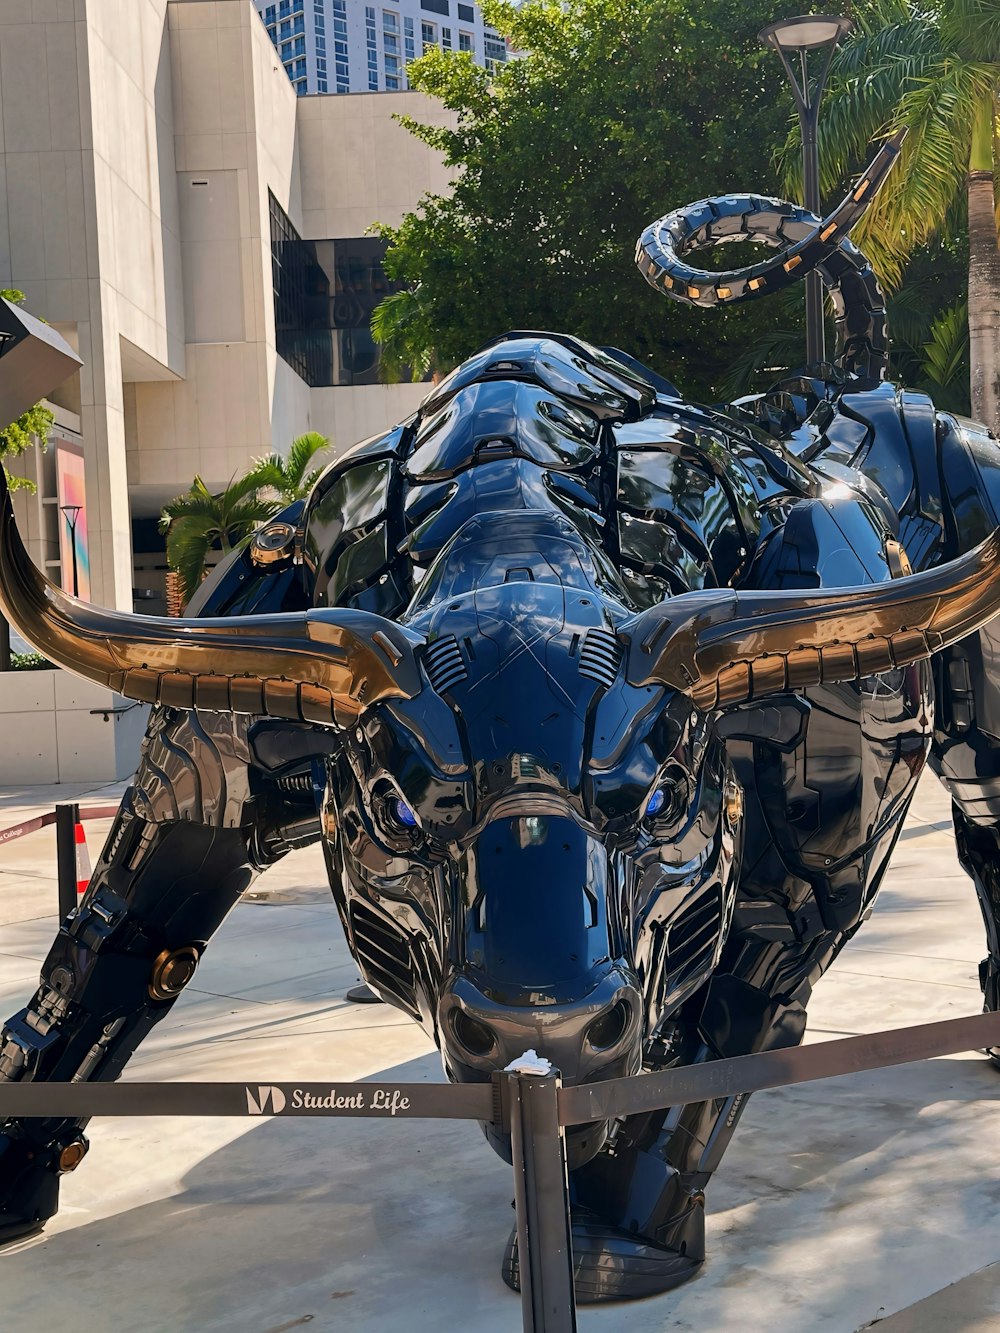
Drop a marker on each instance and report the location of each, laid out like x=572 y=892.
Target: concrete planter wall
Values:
x=56 y=728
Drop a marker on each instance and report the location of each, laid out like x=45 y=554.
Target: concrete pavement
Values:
x=873 y=1198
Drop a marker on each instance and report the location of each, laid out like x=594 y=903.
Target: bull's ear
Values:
x=725 y=647
x=314 y=666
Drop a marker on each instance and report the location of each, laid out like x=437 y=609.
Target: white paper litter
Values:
x=529 y=1063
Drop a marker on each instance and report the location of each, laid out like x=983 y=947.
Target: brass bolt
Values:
x=172 y=970
x=72 y=1155
x=734 y=802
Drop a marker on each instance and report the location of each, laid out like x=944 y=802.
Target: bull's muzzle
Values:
x=597 y=1037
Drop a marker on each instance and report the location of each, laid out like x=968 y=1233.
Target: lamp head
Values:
x=808 y=32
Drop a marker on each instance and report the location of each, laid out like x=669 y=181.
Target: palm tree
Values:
x=401 y=327
x=290 y=478
x=199 y=522
x=933 y=69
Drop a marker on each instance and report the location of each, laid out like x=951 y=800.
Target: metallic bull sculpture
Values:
x=607 y=708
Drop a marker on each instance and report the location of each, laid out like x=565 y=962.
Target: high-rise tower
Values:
x=351 y=46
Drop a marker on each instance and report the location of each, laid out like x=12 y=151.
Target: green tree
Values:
x=290 y=478
x=618 y=111
x=199 y=522
x=31 y=427
x=934 y=69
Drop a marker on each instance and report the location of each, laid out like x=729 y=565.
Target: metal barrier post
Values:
x=541 y=1197
x=67 y=816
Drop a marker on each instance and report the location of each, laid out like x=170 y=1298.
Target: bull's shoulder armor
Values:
x=260 y=576
x=934 y=478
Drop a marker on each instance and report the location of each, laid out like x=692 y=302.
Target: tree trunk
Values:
x=984 y=301
x=984 y=271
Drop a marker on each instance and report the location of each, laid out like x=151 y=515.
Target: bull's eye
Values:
x=667 y=802
x=402 y=814
x=394 y=816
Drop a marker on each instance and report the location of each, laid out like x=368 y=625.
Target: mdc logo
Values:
x=265 y=1100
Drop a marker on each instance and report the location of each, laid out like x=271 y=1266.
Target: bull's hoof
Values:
x=29 y=1191
x=613 y=1265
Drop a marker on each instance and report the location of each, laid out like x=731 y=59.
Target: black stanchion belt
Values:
x=378 y=1100
x=774 y=1069
x=592 y=1101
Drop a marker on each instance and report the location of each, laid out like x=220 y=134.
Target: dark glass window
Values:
x=435 y=6
x=324 y=295
x=466 y=13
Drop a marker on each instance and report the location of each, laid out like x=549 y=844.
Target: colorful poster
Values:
x=74 y=551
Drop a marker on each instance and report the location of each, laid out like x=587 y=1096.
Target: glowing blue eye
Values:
x=656 y=802
x=404 y=814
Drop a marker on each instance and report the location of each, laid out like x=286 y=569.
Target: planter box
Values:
x=57 y=728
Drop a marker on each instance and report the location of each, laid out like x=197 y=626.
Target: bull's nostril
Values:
x=476 y=1037
x=609 y=1028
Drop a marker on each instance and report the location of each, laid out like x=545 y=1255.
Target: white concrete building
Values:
x=159 y=178
x=348 y=46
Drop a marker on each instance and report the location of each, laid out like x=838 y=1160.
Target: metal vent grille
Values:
x=443 y=663
x=692 y=940
x=384 y=955
x=600 y=657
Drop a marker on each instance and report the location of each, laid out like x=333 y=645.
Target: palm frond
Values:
x=946 y=359
x=764 y=361
x=938 y=113
x=188 y=544
x=400 y=324
x=301 y=452
x=972 y=28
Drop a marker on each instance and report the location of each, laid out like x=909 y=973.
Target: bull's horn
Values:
x=724 y=647
x=316 y=666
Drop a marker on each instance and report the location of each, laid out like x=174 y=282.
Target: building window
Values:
x=372 y=49
x=435 y=6
x=409 y=45
x=466 y=13
x=391 y=48
x=324 y=295
x=321 y=84
x=446 y=39
x=494 y=51
x=270 y=13
x=466 y=42
x=341 y=66
x=428 y=35
x=321 y=46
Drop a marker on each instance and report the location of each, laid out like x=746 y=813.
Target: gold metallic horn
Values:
x=725 y=647
x=314 y=666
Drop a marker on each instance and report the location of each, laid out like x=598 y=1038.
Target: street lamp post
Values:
x=72 y=513
x=800 y=36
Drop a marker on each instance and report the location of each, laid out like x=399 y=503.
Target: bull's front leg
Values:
x=639 y=1209
x=180 y=853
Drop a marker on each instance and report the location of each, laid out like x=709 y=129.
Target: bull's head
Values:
x=529 y=786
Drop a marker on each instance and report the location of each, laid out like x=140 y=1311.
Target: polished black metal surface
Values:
x=607 y=709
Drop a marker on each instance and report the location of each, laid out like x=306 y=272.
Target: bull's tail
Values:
x=805 y=243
